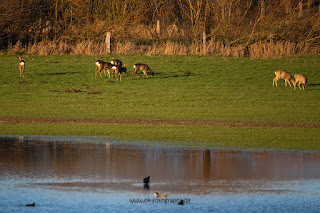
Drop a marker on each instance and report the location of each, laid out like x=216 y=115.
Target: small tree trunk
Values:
x=300 y=9
x=263 y=9
x=288 y=6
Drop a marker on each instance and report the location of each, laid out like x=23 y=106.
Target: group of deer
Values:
x=299 y=78
x=115 y=66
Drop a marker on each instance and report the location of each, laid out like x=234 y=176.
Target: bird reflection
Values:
x=146 y=186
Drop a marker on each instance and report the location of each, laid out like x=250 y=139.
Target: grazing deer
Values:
x=116 y=62
x=101 y=65
x=300 y=79
x=142 y=67
x=118 y=70
x=21 y=66
x=284 y=75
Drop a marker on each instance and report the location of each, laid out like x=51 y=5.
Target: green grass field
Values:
x=192 y=88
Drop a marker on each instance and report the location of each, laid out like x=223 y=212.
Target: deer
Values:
x=300 y=79
x=284 y=75
x=118 y=70
x=142 y=67
x=21 y=66
x=116 y=62
x=101 y=65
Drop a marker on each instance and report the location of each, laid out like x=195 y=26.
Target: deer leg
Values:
x=299 y=85
x=135 y=72
x=96 y=71
x=100 y=72
x=112 y=75
x=275 y=81
x=144 y=73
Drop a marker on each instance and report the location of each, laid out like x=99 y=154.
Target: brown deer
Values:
x=21 y=66
x=142 y=67
x=101 y=65
x=118 y=70
x=300 y=79
x=284 y=75
x=116 y=62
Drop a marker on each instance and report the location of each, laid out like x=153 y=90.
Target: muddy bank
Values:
x=158 y=122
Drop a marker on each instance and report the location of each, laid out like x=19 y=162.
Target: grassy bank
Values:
x=192 y=88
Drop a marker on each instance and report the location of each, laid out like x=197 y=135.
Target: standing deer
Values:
x=142 y=67
x=101 y=65
x=118 y=70
x=21 y=66
x=300 y=79
x=284 y=75
x=116 y=62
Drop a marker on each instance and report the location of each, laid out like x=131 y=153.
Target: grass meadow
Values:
x=185 y=88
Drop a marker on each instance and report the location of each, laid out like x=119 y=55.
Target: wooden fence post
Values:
x=158 y=27
x=204 y=38
x=108 y=42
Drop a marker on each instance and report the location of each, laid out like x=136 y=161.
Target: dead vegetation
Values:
x=249 y=28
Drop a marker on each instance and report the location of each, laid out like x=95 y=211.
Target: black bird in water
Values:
x=146 y=179
x=31 y=204
x=181 y=202
x=146 y=182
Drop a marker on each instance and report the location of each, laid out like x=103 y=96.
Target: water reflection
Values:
x=28 y=158
x=105 y=166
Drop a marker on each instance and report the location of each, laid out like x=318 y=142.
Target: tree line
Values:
x=230 y=22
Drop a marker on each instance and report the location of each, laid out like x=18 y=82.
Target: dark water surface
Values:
x=86 y=174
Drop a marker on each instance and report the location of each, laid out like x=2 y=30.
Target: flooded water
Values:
x=96 y=175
